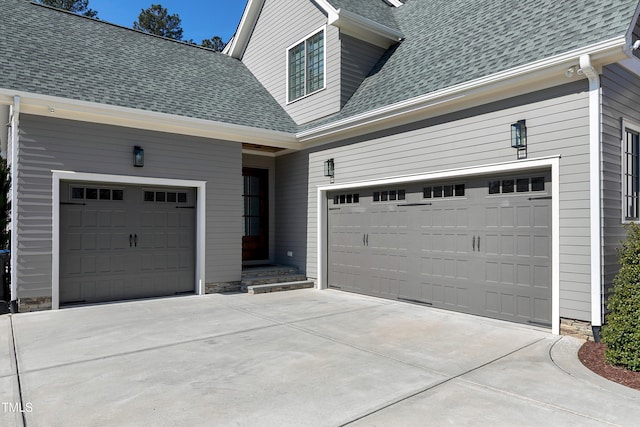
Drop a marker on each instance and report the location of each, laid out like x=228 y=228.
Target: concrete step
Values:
x=267 y=280
x=279 y=287
x=271 y=270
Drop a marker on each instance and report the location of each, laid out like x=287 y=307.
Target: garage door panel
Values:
x=486 y=252
x=124 y=247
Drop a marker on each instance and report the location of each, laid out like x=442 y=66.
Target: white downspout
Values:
x=594 y=186
x=15 y=123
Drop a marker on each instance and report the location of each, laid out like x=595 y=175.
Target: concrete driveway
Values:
x=299 y=358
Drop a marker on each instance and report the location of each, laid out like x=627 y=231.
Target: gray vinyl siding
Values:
x=48 y=144
x=620 y=100
x=358 y=58
x=269 y=163
x=557 y=123
x=266 y=56
x=292 y=210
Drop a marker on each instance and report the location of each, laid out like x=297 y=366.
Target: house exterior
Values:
x=482 y=159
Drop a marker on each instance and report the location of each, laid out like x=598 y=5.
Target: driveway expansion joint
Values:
x=14 y=355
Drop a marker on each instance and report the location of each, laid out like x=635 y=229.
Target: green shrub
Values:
x=621 y=332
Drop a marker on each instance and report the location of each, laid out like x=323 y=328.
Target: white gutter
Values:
x=15 y=123
x=594 y=185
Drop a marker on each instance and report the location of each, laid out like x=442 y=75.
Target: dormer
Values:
x=312 y=55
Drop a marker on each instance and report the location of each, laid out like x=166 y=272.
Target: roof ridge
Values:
x=122 y=27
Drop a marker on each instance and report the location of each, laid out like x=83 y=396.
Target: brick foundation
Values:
x=576 y=328
x=221 y=287
x=34 y=304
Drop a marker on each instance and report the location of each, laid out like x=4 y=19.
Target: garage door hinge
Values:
x=414 y=204
x=72 y=203
x=540 y=198
x=185 y=207
x=334 y=209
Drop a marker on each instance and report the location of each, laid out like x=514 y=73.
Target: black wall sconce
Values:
x=519 y=138
x=138 y=157
x=329 y=168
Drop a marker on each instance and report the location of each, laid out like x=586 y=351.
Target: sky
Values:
x=201 y=19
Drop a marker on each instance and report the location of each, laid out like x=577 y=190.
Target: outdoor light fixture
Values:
x=519 y=134
x=519 y=138
x=329 y=168
x=138 y=157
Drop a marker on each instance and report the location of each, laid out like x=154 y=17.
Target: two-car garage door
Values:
x=122 y=242
x=476 y=245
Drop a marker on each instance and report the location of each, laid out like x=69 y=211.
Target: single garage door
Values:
x=479 y=246
x=123 y=242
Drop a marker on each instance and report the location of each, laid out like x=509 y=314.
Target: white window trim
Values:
x=324 y=65
x=552 y=163
x=635 y=127
x=200 y=231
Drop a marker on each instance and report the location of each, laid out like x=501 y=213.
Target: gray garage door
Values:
x=480 y=246
x=122 y=242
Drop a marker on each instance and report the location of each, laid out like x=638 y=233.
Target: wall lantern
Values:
x=519 y=138
x=138 y=157
x=519 y=134
x=329 y=168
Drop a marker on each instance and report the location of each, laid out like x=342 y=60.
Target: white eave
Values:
x=365 y=29
x=62 y=108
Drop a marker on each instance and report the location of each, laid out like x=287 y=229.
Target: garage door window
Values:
x=443 y=191
x=165 y=196
x=89 y=193
x=389 y=195
x=517 y=185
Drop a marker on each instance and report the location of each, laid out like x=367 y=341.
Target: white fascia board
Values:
x=365 y=29
x=63 y=108
x=245 y=28
x=602 y=53
x=394 y=3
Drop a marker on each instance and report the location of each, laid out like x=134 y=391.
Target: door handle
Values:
x=135 y=240
x=367 y=239
x=130 y=240
x=473 y=243
x=478 y=243
x=364 y=239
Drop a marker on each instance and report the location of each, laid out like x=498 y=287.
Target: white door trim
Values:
x=520 y=165
x=200 y=231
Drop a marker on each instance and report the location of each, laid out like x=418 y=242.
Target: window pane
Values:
x=537 y=184
x=448 y=191
x=460 y=190
x=118 y=194
x=401 y=194
x=77 y=193
x=105 y=194
x=494 y=187
x=296 y=72
x=522 y=185
x=315 y=62
x=437 y=191
x=507 y=186
x=92 y=193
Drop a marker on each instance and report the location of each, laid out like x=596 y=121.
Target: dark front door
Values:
x=255 y=238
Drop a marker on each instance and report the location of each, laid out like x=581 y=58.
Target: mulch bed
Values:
x=591 y=355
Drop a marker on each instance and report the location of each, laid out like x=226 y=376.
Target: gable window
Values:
x=305 y=66
x=630 y=173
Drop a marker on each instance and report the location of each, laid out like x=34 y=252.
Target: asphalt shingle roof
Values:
x=449 y=42
x=50 y=52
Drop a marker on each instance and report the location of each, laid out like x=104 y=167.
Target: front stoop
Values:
x=275 y=278
x=278 y=287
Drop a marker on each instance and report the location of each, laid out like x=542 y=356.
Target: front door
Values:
x=255 y=238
